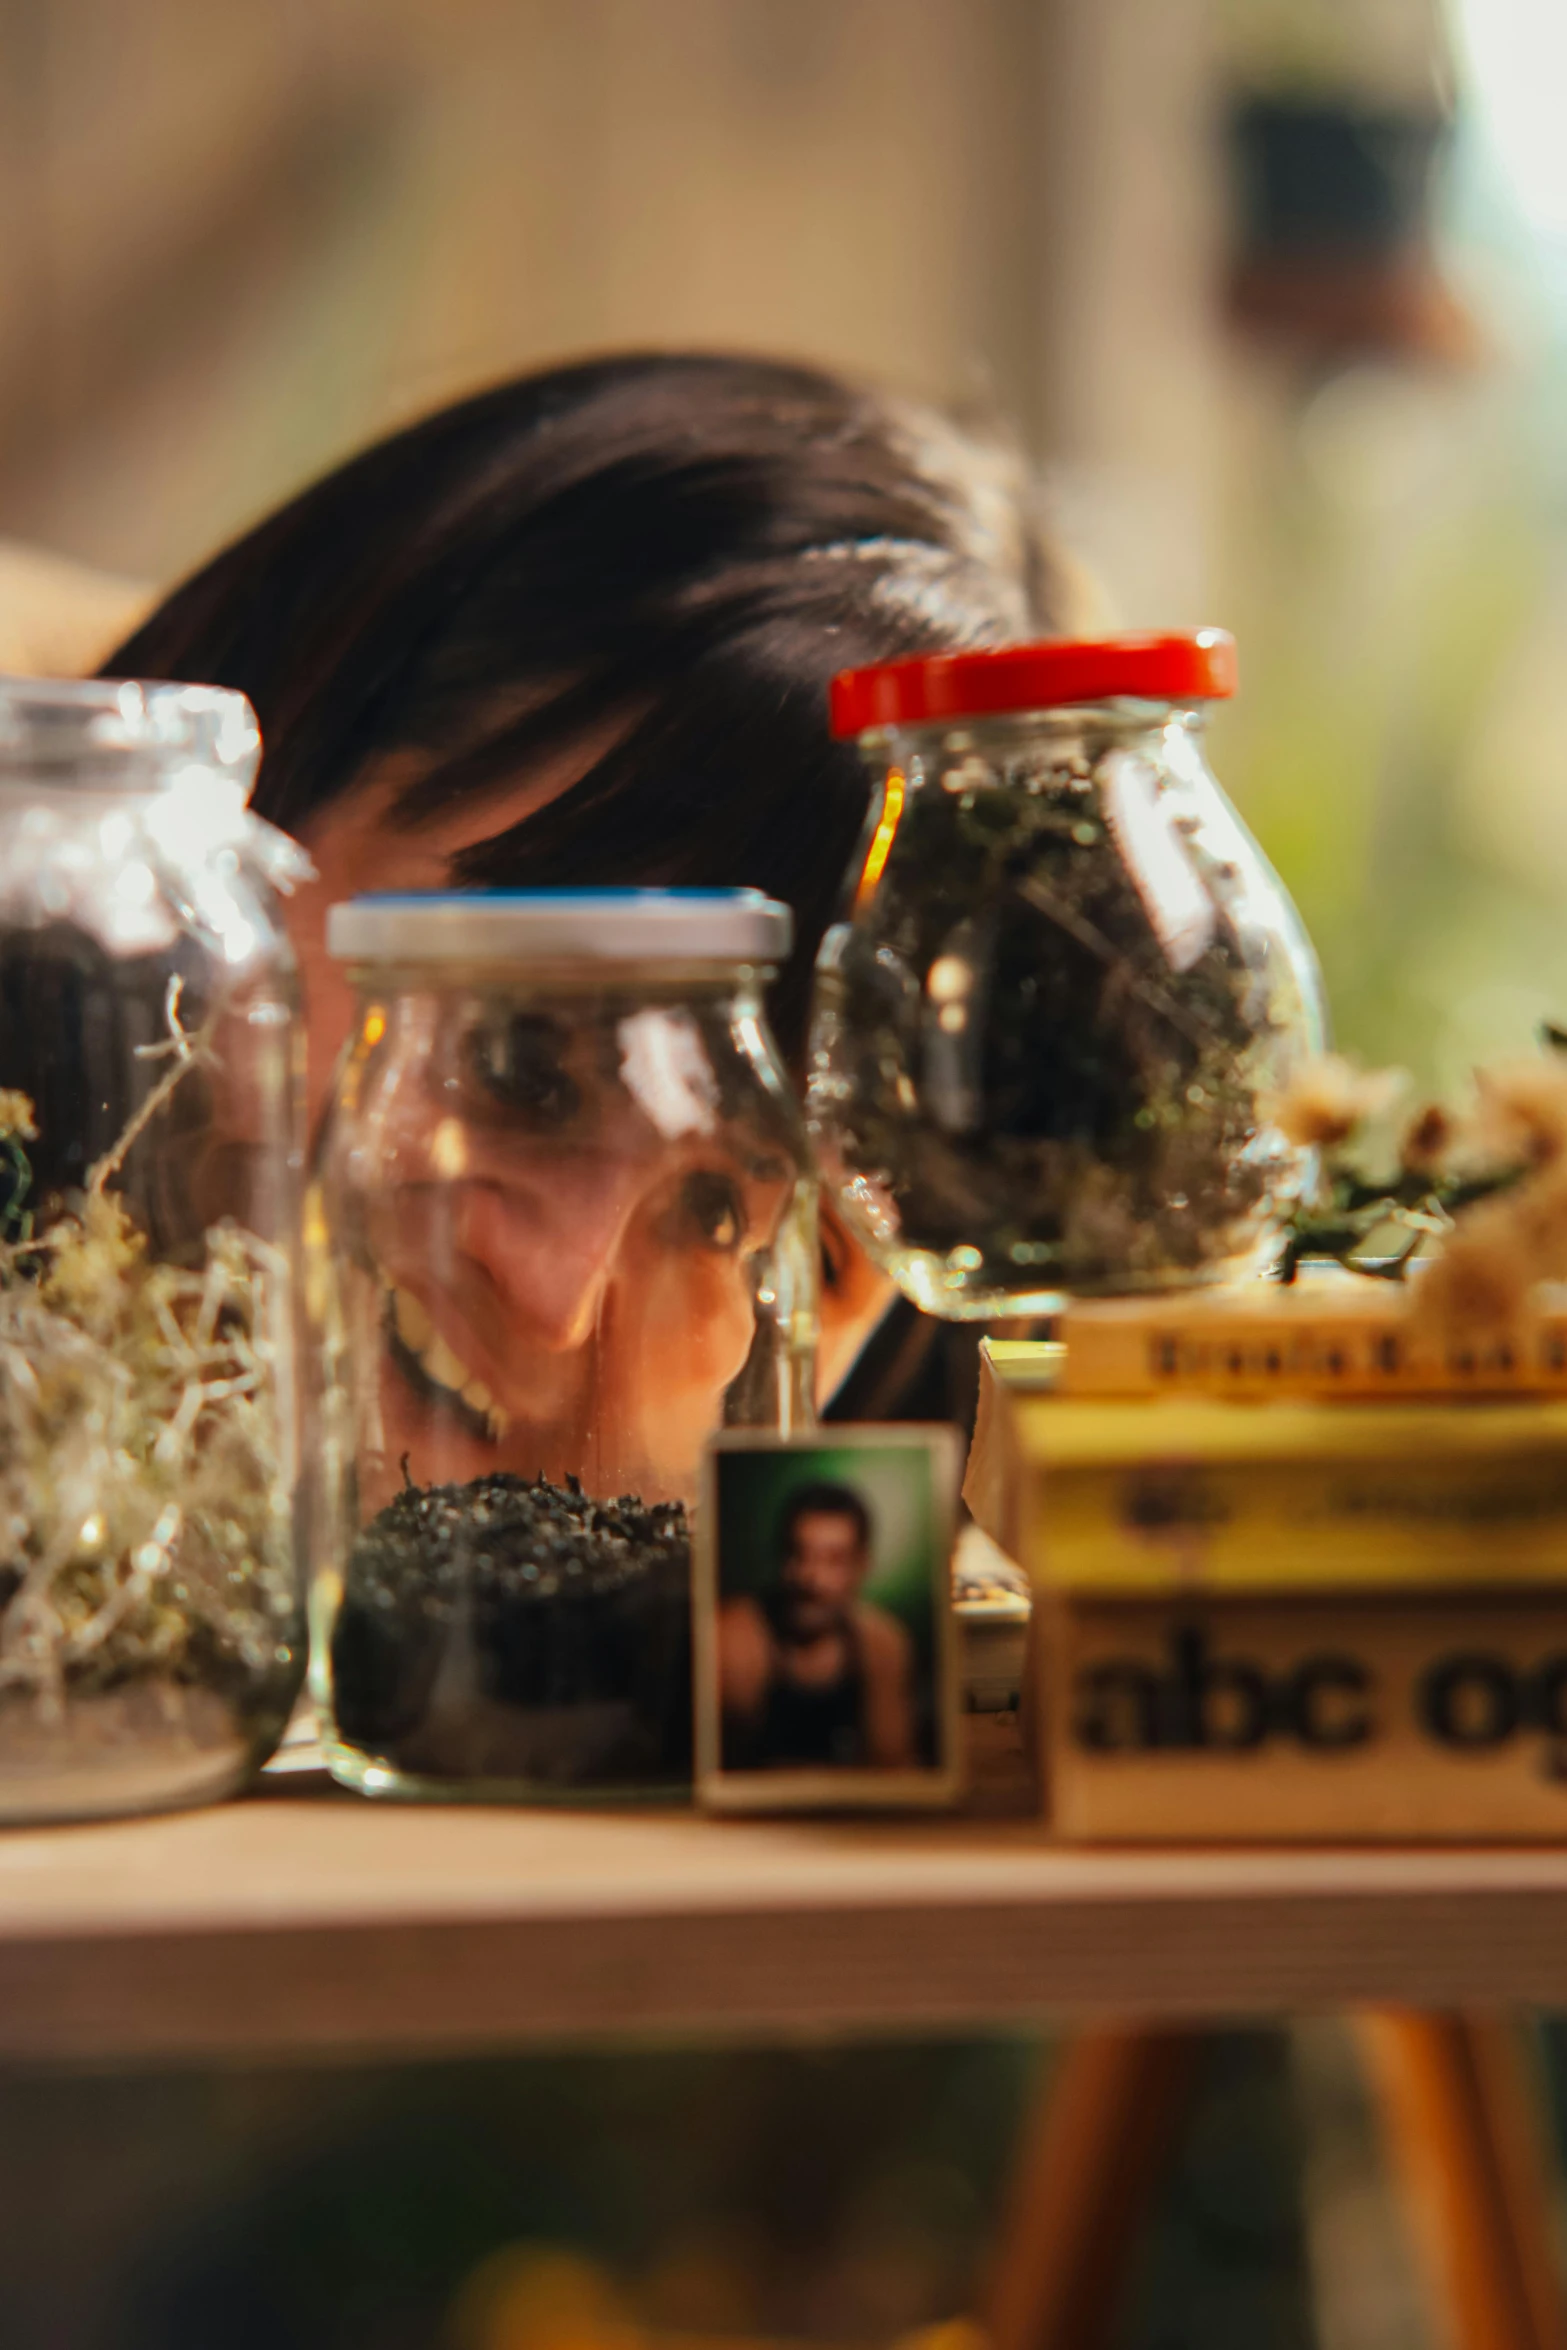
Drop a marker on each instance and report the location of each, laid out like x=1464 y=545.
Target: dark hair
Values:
x=832 y=1500
x=691 y=543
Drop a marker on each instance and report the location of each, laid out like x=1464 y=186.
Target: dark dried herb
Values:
x=1008 y=1058
x=515 y=1629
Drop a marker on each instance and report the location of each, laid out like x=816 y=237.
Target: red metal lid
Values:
x=1195 y=668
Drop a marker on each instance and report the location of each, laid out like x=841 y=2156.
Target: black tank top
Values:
x=825 y=1725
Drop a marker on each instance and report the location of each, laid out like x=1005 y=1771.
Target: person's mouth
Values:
x=436 y=1371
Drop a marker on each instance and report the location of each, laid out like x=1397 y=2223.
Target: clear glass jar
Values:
x=564 y=1185
x=1045 y=1037
x=152 y=1622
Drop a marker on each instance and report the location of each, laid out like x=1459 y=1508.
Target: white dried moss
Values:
x=144 y=1509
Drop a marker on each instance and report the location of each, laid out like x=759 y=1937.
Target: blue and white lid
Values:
x=556 y=925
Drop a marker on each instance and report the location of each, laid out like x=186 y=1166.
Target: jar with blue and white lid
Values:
x=570 y=1231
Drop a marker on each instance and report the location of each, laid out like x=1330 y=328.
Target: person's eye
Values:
x=519 y=1062
x=713 y=1212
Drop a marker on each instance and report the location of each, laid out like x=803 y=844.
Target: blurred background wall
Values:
x=1273 y=290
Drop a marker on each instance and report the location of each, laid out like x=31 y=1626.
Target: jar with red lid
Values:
x=1046 y=1034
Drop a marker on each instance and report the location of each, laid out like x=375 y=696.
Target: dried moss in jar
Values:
x=1045 y=1039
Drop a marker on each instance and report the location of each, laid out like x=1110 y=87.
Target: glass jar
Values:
x=564 y=1183
x=1045 y=1037
x=152 y=1634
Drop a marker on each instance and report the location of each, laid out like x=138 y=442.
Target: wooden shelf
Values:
x=311 y=1922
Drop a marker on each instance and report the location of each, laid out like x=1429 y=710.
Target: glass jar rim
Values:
x=694 y=927
x=108 y=734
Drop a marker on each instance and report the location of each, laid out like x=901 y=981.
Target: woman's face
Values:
x=551 y=1256
x=542 y=1263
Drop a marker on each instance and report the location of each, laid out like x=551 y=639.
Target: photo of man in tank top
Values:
x=812 y=1674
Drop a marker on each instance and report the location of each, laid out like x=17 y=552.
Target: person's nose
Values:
x=549 y=1243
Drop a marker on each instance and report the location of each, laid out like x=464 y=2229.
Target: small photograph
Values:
x=824 y=1645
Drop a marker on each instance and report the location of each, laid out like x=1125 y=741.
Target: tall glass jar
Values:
x=1045 y=1037
x=571 y=1228
x=152 y=1635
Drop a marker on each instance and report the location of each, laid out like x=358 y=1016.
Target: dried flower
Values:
x=17 y=1116
x=1499 y=1247
x=1537 y=1211
x=1490 y=1189
x=1478 y=1283
x=1428 y=1142
x=1521 y=1115
x=1329 y=1098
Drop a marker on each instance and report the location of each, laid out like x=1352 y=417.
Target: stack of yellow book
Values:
x=1263 y=1614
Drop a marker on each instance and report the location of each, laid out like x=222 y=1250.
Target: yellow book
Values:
x=1269 y=1616
x=1330 y=1336
x=1191 y=1493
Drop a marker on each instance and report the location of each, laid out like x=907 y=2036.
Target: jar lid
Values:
x=129 y=733
x=538 y=925
x=1195 y=668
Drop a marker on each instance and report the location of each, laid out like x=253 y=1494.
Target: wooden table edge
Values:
x=441 y=1944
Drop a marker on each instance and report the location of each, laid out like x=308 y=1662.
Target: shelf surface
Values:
x=299 y=1922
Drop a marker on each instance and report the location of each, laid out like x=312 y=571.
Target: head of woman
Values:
x=578 y=631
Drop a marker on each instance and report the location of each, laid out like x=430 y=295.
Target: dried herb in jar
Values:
x=515 y=1629
x=1026 y=1065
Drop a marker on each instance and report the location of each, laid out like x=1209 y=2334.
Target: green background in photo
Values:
x=898 y=1486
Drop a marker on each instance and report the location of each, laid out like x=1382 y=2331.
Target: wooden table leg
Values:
x=1467 y=2142
x=1091 y=2160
